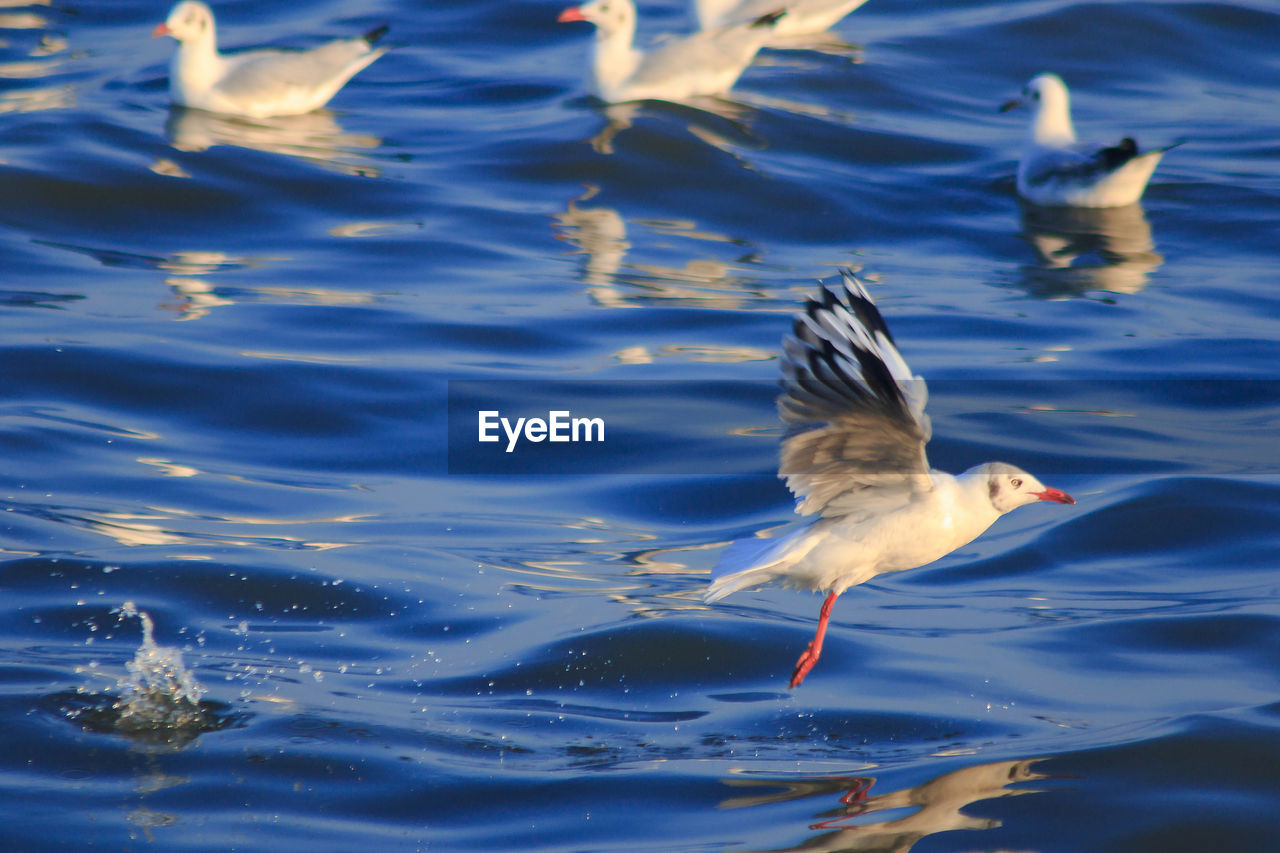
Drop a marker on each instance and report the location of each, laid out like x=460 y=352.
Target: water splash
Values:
x=159 y=692
x=157 y=701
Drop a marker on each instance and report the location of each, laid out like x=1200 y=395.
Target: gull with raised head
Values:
x=706 y=63
x=256 y=83
x=854 y=455
x=1056 y=169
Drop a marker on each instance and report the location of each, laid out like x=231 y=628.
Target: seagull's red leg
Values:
x=810 y=656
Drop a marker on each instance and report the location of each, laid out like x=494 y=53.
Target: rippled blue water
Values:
x=225 y=357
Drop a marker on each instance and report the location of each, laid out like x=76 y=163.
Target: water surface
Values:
x=227 y=350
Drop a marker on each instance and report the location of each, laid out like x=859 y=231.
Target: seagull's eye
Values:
x=1016 y=483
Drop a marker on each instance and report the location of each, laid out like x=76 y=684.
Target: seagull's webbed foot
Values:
x=804 y=664
x=814 y=651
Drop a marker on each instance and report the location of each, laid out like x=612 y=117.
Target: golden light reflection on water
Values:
x=194 y=298
x=306 y=358
x=374 y=229
x=603 y=565
x=22 y=20
x=168 y=468
x=27 y=70
x=706 y=353
x=33 y=100
x=136 y=529
x=43 y=59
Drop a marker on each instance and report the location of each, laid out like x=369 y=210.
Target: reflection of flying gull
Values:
x=894 y=820
x=803 y=16
x=855 y=454
x=705 y=63
x=1056 y=169
x=264 y=82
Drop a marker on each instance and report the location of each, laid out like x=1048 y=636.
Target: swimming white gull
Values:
x=708 y=62
x=256 y=83
x=1056 y=169
x=855 y=455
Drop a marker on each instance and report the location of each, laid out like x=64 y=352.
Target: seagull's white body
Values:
x=1056 y=169
x=855 y=454
x=804 y=17
x=256 y=83
x=705 y=63
x=833 y=554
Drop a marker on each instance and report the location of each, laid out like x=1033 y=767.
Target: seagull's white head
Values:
x=1050 y=103
x=190 y=20
x=609 y=16
x=1010 y=487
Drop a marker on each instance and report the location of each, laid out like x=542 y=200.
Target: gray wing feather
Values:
x=267 y=73
x=724 y=47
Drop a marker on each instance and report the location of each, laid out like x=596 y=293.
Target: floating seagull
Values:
x=1057 y=170
x=705 y=63
x=855 y=455
x=804 y=17
x=257 y=83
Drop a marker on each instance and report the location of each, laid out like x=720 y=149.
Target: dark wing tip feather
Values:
x=770 y=19
x=829 y=372
x=860 y=304
x=376 y=33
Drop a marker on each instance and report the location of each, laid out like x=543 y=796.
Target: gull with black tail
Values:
x=854 y=455
x=1058 y=170
x=257 y=83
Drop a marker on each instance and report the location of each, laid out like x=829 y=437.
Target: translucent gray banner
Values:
x=1202 y=427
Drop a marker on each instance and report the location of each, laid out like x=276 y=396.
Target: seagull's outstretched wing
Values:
x=855 y=415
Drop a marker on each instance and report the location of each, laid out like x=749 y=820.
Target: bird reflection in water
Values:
x=600 y=235
x=717 y=121
x=316 y=137
x=1081 y=249
x=721 y=122
x=936 y=805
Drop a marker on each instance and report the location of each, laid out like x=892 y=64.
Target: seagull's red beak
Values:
x=573 y=13
x=161 y=30
x=1055 y=495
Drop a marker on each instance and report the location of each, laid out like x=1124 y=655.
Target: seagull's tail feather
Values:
x=750 y=562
